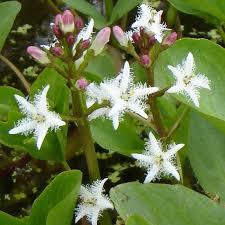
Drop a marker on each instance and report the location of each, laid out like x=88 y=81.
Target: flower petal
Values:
x=40 y=133
x=98 y=113
x=169 y=168
x=189 y=64
x=200 y=81
x=40 y=100
x=152 y=174
x=25 y=106
x=24 y=127
x=155 y=145
x=193 y=94
x=173 y=150
x=145 y=159
x=176 y=71
x=137 y=109
x=126 y=77
x=176 y=88
x=95 y=214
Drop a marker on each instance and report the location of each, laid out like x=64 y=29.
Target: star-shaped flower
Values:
x=122 y=94
x=38 y=117
x=93 y=202
x=156 y=160
x=187 y=81
x=149 y=20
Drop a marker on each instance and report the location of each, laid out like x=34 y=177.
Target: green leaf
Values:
x=213 y=11
x=136 y=220
x=164 y=204
x=6 y=219
x=8 y=12
x=123 y=140
x=121 y=8
x=102 y=65
x=86 y=8
x=55 y=205
x=210 y=61
x=206 y=152
x=7 y=101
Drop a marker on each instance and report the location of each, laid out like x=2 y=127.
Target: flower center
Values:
x=90 y=201
x=187 y=78
x=39 y=118
x=158 y=160
x=127 y=95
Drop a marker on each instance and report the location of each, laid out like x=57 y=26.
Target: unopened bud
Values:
x=101 y=40
x=152 y=40
x=84 y=45
x=170 y=39
x=70 y=39
x=67 y=25
x=79 y=23
x=145 y=60
x=58 y=19
x=81 y=84
x=57 y=51
x=120 y=36
x=56 y=30
x=136 y=37
x=38 y=54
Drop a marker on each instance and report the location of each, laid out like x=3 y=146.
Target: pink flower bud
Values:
x=145 y=60
x=79 y=23
x=101 y=40
x=57 y=51
x=152 y=40
x=58 y=20
x=56 y=30
x=84 y=45
x=81 y=84
x=120 y=36
x=70 y=39
x=67 y=25
x=38 y=54
x=170 y=39
x=136 y=37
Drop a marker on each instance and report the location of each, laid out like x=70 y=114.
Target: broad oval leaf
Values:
x=164 y=204
x=7 y=101
x=213 y=10
x=207 y=153
x=136 y=220
x=8 y=12
x=55 y=205
x=210 y=61
x=121 y=8
x=123 y=140
x=6 y=219
x=86 y=8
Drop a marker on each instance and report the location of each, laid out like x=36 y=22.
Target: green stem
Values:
x=69 y=118
x=154 y=108
x=54 y=9
x=177 y=123
x=17 y=72
x=222 y=33
x=108 y=8
x=66 y=166
x=85 y=135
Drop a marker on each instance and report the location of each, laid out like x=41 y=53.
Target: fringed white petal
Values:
x=24 y=127
x=99 y=113
x=152 y=174
x=40 y=100
x=171 y=169
x=25 y=106
x=173 y=150
x=189 y=64
x=40 y=133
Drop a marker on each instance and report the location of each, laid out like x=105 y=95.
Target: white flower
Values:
x=93 y=202
x=122 y=94
x=150 y=20
x=156 y=160
x=187 y=82
x=38 y=117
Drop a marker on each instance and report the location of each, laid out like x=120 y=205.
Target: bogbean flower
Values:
x=187 y=81
x=149 y=20
x=38 y=117
x=122 y=94
x=156 y=160
x=93 y=202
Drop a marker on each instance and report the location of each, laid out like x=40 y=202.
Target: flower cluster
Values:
x=71 y=33
x=156 y=160
x=93 y=202
x=122 y=94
